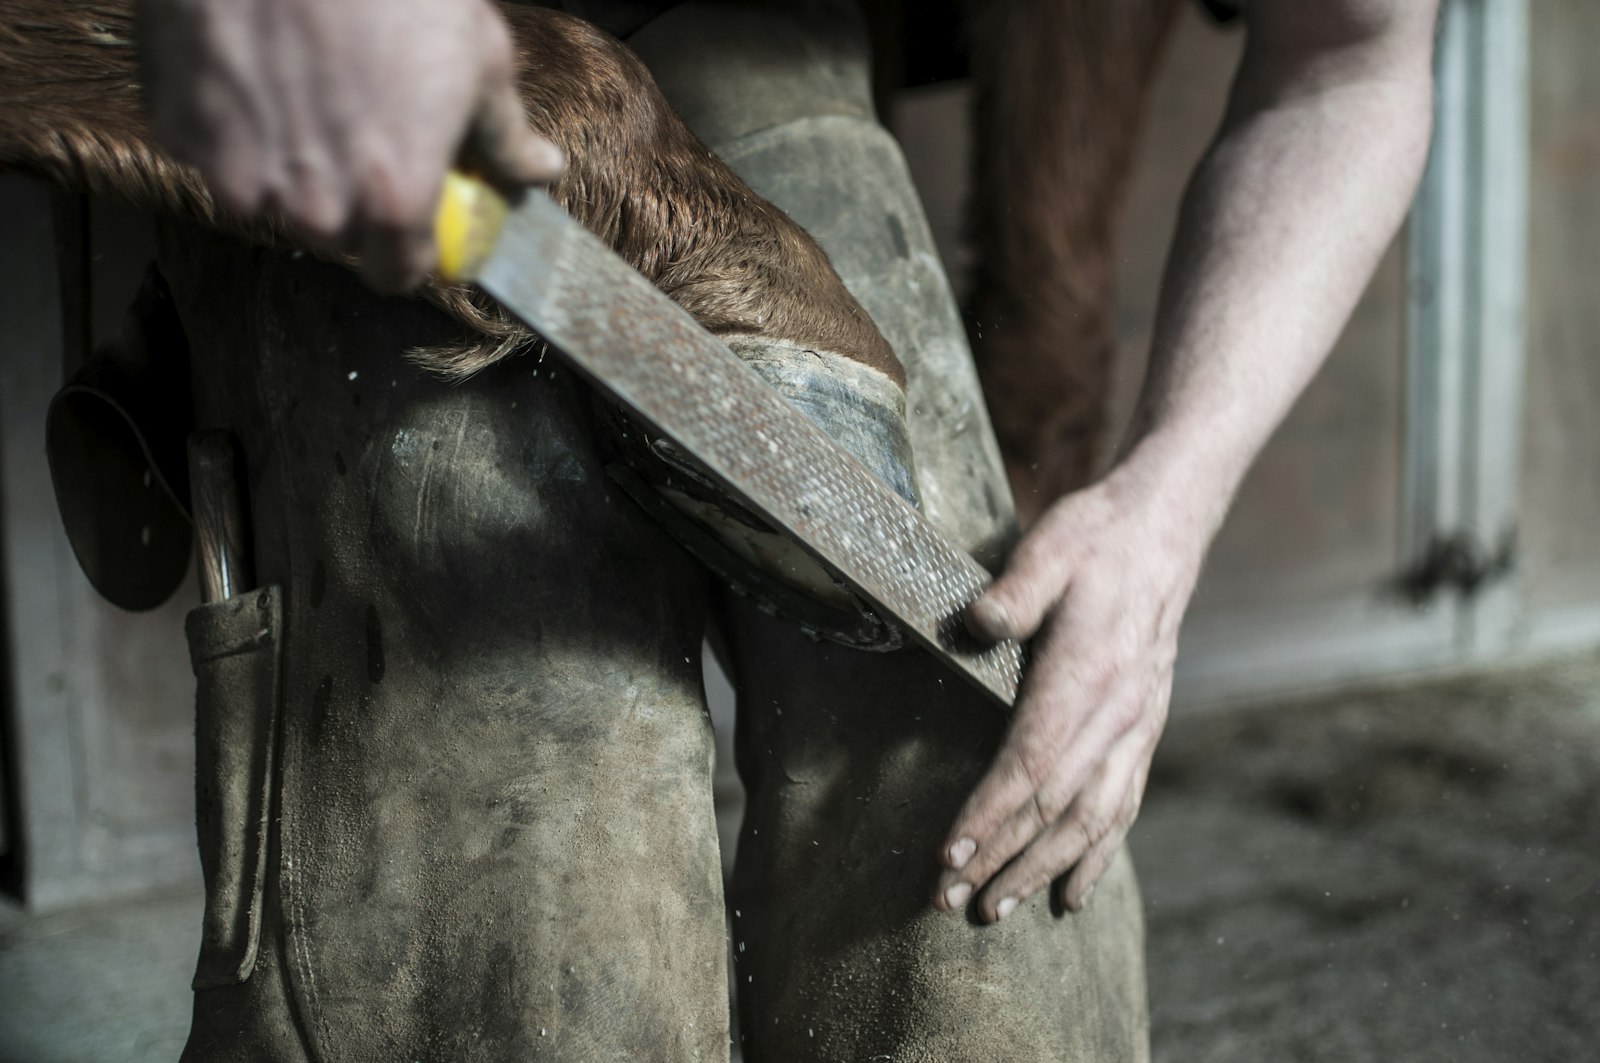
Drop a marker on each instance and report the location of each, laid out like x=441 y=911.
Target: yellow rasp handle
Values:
x=466 y=225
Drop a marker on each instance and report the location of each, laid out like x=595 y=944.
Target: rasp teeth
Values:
x=639 y=347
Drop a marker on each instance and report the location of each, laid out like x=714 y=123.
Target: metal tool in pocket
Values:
x=217 y=497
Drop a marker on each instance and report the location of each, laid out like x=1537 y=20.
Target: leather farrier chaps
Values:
x=455 y=763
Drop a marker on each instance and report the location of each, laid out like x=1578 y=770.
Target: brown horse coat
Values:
x=70 y=112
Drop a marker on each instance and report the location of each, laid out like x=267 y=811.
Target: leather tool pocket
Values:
x=236 y=648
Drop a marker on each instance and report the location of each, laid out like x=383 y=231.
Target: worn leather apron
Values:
x=454 y=764
x=855 y=764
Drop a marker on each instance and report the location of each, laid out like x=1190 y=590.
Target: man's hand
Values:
x=1308 y=179
x=1102 y=579
x=341 y=116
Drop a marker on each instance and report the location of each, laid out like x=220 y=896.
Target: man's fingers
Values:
x=392 y=235
x=1034 y=580
x=499 y=141
x=1128 y=776
x=1015 y=605
x=236 y=186
x=1101 y=808
x=1080 y=884
x=395 y=258
x=1088 y=752
x=1006 y=788
x=999 y=824
x=1052 y=852
x=315 y=200
x=509 y=152
x=237 y=165
x=1026 y=759
x=994 y=850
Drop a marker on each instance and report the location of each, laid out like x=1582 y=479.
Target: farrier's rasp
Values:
x=639 y=347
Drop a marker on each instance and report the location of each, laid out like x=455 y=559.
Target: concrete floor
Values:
x=1410 y=874
x=1402 y=874
x=98 y=985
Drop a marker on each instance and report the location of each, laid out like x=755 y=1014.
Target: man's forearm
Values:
x=1307 y=182
x=1281 y=227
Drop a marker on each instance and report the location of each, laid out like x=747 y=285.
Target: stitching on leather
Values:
x=319 y=1021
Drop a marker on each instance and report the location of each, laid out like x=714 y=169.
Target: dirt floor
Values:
x=1405 y=874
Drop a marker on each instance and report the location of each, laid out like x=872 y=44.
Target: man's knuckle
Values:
x=1043 y=810
x=1147 y=724
x=986 y=864
x=394 y=197
x=237 y=192
x=1093 y=827
x=1122 y=717
x=316 y=213
x=1029 y=880
x=1096 y=673
x=1083 y=836
x=1036 y=762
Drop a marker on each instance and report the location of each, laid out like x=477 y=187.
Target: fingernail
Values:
x=961 y=852
x=1082 y=899
x=992 y=619
x=1005 y=907
x=956 y=896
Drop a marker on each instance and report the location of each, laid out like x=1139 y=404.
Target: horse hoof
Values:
x=860 y=408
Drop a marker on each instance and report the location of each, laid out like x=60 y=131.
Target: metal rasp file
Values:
x=647 y=354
